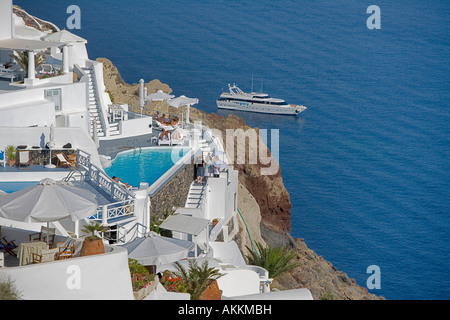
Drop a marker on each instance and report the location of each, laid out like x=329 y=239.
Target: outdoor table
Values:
x=27 y=248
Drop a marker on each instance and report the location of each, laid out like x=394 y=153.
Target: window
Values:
x=54 y=95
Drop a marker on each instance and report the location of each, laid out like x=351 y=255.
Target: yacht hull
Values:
x=260 y=108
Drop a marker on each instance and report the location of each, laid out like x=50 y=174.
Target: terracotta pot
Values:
x=211 y=293
x=91 y=247
x=12 y=163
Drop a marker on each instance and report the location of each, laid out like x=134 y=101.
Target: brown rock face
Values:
x=121 y=92
x=32 y=21
x=268 y=190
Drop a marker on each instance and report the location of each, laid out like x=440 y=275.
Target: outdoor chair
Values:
x=63 y=161
x=65 y=252
x=42 y=236
x=8 y=246
x=2 y=158
x=24 y=159
x=36 y=258
x=46 y=69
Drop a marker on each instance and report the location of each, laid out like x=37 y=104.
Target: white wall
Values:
x=103 y=276
x=135 y=127
x=34 y=136
x=16 y=97
x=28 y=107
x=220 y=193
x=77 y=54
x=6 y=19
x=238 y=282
x=40 y=112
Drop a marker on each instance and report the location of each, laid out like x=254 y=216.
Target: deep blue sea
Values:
x=367 y=164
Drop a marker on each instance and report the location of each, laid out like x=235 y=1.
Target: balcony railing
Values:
x=101 y=180
x=107 y=213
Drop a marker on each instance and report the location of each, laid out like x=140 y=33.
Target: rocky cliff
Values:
x=263 y=200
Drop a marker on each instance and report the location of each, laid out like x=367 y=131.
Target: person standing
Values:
x=199 y=169
x=208 y=168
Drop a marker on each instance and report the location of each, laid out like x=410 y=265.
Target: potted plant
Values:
x=142 y=281
x=11 y=154
x=92 y=244
x=201 y=280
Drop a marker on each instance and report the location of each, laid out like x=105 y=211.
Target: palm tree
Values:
x=92 y=228
x=275 y=260
x=21 y=57
x=197 y=277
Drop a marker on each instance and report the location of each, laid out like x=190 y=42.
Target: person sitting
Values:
x=174 y=121
x=164 y=133
x=162 y=119
x=176 y=135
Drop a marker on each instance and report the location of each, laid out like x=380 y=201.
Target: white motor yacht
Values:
x=236 y=99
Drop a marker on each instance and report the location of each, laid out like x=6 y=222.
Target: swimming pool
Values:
x=147 y=165
x=13 y=186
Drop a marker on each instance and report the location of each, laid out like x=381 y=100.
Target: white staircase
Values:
x=204 y=145
x=195 y=196
x=94 y=111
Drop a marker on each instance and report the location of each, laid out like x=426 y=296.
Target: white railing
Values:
x=101 y=179
x=115 y=210
x=123 y=235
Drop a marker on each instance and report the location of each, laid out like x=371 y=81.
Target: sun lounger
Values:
x=63 y=161
x=125 y=186
x=164 y=141
x=24 y=159
x=176 y=138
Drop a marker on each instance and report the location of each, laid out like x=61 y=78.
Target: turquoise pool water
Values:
x=147 y=165
x=13 y=186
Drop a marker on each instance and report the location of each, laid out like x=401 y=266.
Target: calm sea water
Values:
x=367 y=165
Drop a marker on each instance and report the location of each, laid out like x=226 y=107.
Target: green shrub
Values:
x=275 y=260
x=140 y=277
x=8 y=290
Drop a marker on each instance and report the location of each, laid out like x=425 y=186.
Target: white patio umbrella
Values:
x=64 y=36
x=159 y=96
x=48 y=201
x=183 y=101
x=156 y=250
